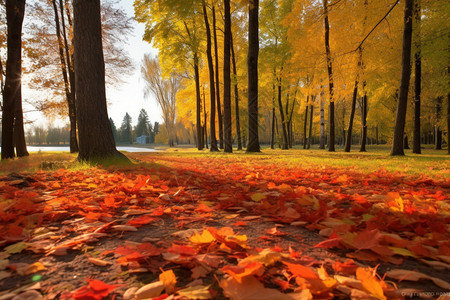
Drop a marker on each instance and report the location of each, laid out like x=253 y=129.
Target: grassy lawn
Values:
x=433 y=163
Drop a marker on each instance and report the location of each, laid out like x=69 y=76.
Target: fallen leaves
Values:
x=192 y=221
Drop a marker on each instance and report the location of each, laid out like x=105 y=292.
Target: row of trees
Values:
x=127 y=134
x=325 y=67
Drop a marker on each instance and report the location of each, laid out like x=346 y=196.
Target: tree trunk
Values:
x=12 y=117
x=283 y=120
x=397 y=144
x=71 y=100
x=205 y=118
x=236 y=95
x=417 y=79
x=305 y=123
x=310 y=122
x=198 y=110
x=212 y=90
x=95 y=132
x=64 y=67
x=348 y=141
x=331 y=146
x=252 y=65
x=322 y=125
x=219 y=107
x=291 y=125
x=437 y=128
x=363 y=124
x=448 y=121
x=272 y=136
x=228 y=143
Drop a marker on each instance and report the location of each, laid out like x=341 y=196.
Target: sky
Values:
x=127 y=96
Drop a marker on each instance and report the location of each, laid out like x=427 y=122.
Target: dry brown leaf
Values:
x=150 y=290
x=99 y=262
x=408 y=275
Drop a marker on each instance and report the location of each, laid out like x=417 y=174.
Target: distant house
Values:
x=142 y=139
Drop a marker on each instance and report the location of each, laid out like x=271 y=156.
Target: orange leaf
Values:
x=169 y=280
x=370 y=283
x=301 y=271
x=241 y=271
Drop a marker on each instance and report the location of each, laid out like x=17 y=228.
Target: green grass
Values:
x=433 y=163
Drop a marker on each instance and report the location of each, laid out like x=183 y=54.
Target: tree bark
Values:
x=205 y=118
x=348 y=141
x=272 y=136
x=252 y=66
x=400 y=118
x=198 y=110
x=95 y=132
x=437 y=128
x=71 y=100
x=305 y=137
x=12 y=117
x=417 y=79
x=322 y=125
x=283 y=120
x=310 y=122
x=212 y=90
x=228 y=143
x=219 y=106
x=448 y=122
x=291 y=125
x=331 y=142
x=363 y=123
x=236 y=96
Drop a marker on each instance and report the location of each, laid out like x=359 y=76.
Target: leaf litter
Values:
x=216 y=228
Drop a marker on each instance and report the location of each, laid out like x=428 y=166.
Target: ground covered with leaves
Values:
x=182 y=226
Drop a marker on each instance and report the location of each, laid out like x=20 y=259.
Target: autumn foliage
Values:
x=182 y=227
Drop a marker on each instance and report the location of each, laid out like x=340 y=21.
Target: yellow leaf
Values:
x=33 y=268
x=169 y=280
x=370 y=283
x=267 y=257
x=402 y=251
x=258 y=197
x=16 y=248
x=204 y=238
x=196 y=292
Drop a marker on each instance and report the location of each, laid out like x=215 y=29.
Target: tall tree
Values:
x=212 y=88
x=348 y=140
x=228 y=143
x=252 y=65
x=236 y=96
x=216 y=61
x=67 y=73
x=363 y=122
x=13 y=134
x=331 y=141
x=96 y=140
x=400 y=117
x=126 y=130
x=164 y=90
x=417 y=77
x=142 y=126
